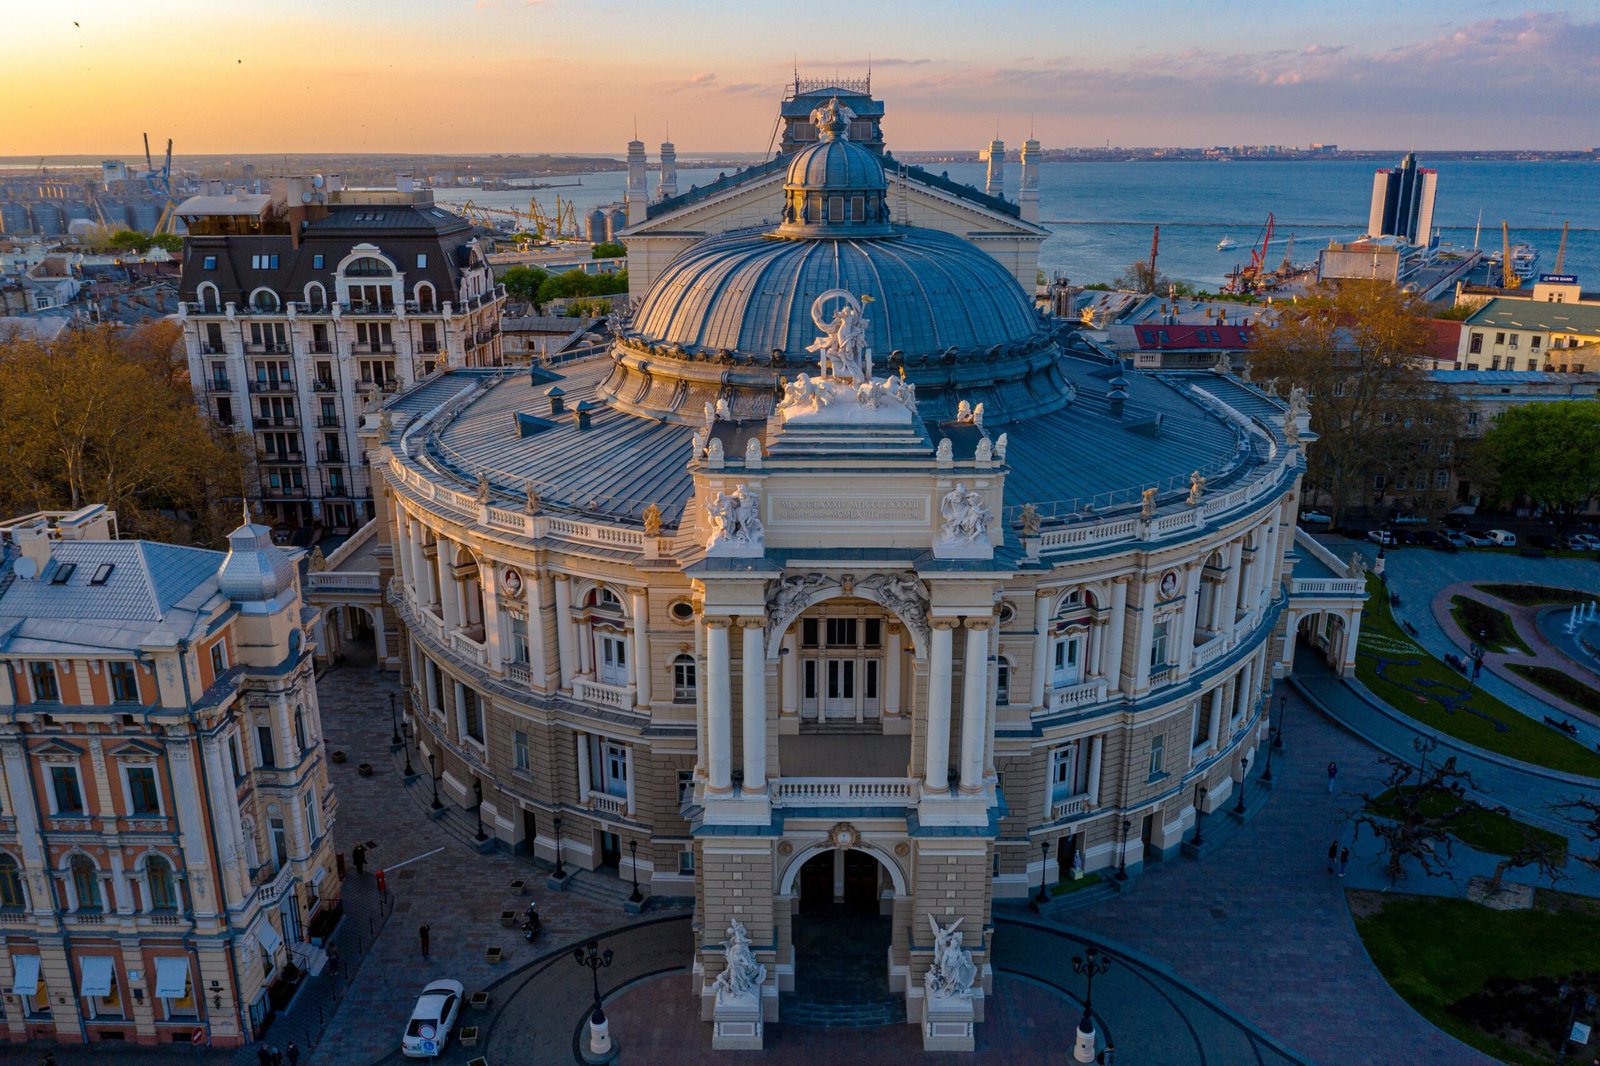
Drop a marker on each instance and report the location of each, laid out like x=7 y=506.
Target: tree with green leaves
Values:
x=127 y=240
x=1358 y=351
x=523 y=283
x=1545 y=453
x=608 y=250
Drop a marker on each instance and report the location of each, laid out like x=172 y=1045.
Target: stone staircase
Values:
x=1223 y=825
x=841 y=973
x=610 y=891
x=885 y=1010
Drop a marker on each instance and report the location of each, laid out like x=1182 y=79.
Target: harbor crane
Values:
x=160 y=182
x=1561 y=252
x=1155 y=246
x=1508 y=276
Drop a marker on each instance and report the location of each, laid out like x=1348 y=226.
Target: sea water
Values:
x=1100 y=215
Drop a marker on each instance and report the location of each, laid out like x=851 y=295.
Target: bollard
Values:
x=383 y=884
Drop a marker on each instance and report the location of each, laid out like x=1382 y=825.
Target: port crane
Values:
x=1508 y=276
x=560 y=225
x=160 y=182
x=1561 y=252
x=1247 y=279
x=1155 y=246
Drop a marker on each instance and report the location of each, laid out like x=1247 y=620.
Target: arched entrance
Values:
x=842 y=928
x=351 y=635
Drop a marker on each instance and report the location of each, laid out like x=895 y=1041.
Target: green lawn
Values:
x=1062 y=888
x=1528 y=595
x=1469 y=969
x=1475 y=617
x=1480 y=827
x=1523 y=738
x=1560 y=683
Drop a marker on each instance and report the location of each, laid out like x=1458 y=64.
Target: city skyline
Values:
x=1431 y=75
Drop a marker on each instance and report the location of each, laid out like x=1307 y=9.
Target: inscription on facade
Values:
x=879 y=510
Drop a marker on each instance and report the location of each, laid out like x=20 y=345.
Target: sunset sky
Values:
x=224 y=76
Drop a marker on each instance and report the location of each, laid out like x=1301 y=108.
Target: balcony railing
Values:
x=328 y=581
x=1210 y=651
x=619 y=696
x=213 y=349
x=333 y=457
x=277 y=420
x=272 y=385
x=216 y=384
x=327 y=421
x=605 y=803
x=1085 y=694
x=323 y=385
x=1071 y=807
x=279 y=884
x=844 y=791
x=271 y=347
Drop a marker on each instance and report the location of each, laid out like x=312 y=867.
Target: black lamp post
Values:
x=433 y=772
x=405 y=733
x=1044 y=856
x=560 y=871
x=1244 y=781
x=1277 y=737
x=1266 y=771
x=633 y=861
x=1090 y=964
x=596 y=960
x=1199 y=812
x=394 y=722
x=1122 y=862
x=477 y=810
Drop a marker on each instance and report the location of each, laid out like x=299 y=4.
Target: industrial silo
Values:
x=47 y=220
x=597 y=226
x=144 y=214
x=116 y=212
x=14 y=218
x=616 y=222
x=76 y=210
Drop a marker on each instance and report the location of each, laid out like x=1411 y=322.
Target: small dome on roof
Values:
x=256 y=569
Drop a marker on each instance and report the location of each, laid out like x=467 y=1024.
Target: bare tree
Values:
x=1586 y=813
x=1413 y=816
x=1535 y=850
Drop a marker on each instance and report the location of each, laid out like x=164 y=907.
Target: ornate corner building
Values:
x=166 y=857
x=852 y=590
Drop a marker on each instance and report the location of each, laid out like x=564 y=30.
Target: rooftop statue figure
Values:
x=952 y=972
x=833 y=117
x=742 y=975
x=842 y=350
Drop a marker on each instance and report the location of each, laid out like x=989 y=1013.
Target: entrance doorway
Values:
x=610 y=850
x=530 y=830
x=1066 y=849
x=841 y=944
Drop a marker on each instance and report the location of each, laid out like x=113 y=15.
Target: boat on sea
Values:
x=1227 y=244
x=1524 y=262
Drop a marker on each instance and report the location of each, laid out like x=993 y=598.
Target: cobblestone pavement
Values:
x=1261 y=926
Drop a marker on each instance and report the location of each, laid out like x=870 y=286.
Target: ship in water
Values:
x=1524 y=262
x=1227 y=244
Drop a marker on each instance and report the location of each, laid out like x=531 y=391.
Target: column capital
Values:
x=1044 y=594
x=944 y=623
x=717 y=621
x=1122 y=579
x=753 y=621
x=557 y=575
x=637 y=590
x=979 y=623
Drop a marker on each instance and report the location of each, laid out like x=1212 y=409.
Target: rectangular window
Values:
x=64 y=790
x=43 y=676
x=685 y=785
x=311 y=819
x=210 y=262
x=841 y=632
x=616 y=770
x=143 y=796
x=683 y=679
x=1499 y=338
x=1062 y=772
x=808 y=632
x=233 y=757
x=686 y=861
x=268 y=754
x=1158 y=644
x=519 y=751
x=471 y=715
x=1441 y=479
x=1475 y=345
x=1513 y=344
x=124 y=683
x=1534 y=342
x=316 y=262
x=1158 y=754
x=1002 y=684
x=219 y=659
x=422 y=260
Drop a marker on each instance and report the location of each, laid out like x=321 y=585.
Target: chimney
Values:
x=34 y=541
x=638 y=194
x=996 y=183
x=1118 y=396
x=582 y=410
x=558 y=401
x=1028 y=194
x=406 y=183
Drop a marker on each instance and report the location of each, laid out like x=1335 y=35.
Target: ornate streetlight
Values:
x=1266 y=771
x=596 y=960
x=1244 y=781
x=433 y=772
x=394 y=722
x=1090 y=964
x=1122 y=862
x=1044 y=856
x=405 y=733
x=1199 y=812
x=1277 y=738
x=560 y=871
x=633 y=861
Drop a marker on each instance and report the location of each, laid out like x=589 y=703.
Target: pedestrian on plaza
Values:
x=422 y=935
x=292 y=1053
x=358 y=855
x=277 y=1057
x=1333 y=776
x=264 y=1055
x=1477 y=668
x=333 y=961
x=1344 y=860
x=1333 y=855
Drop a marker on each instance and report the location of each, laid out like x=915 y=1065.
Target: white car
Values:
x=1583 y=542
x=1315 y=518
x=1381 y=536
x=432 y=1020
x=1503 y=537
x=1477 y=540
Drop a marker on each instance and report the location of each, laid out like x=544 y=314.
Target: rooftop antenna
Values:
x=636 y=125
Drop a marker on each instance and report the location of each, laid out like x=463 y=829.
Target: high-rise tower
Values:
x=638 y=194
x=996 y=185
x=1402 y=202
x=668 y=183
x=1028 y=194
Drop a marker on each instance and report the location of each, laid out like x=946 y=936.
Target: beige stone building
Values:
x=166 y=849
x=852 y=590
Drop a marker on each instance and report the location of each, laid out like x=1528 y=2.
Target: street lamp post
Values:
x=1122 y=862
x=1266 y=771
x=633 y=861
x=1199 y=812
x=405 y=733
x=591 y=956
x=433 y=772
x=1277 y=737
x=560 y=871
x=1044 y=856
x=1090 y=964
x=477 y=810
x=394 y=722
x=1244 y=782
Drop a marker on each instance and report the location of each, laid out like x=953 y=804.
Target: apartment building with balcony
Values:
x=166 y=855
x=303 y=308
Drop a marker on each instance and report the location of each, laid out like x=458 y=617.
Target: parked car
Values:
x=433 y=1019
x=1454 y=537
x=1315 y=518
x=1407 y=536
x=1475 y=539
x=1582 y=542
x=1502 y=538
x=1381 y=536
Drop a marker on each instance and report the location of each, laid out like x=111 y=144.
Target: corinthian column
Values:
x=564 y=642
x=755 y=705
x=974 y=704
x=935 y=774
x=719 y=727
x=640 y=605
x=1041 y=646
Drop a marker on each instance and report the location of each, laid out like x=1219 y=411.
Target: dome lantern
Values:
x=835 y=187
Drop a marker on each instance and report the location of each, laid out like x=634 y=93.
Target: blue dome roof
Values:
x=836 y=165
x=256 y=570
x=752 y=292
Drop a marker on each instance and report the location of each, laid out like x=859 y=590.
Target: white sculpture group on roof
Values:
x=742 y=975
x=735 y=519
x=953 y=971
x=843 y=389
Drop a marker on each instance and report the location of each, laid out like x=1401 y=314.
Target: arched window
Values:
x=368 y=267
x=425 y=296
x=210 y=301
x=605 y=600
x=316 y=296
x=264 y=300
x=10 y=883
x=683 y=679
x=163 y=893
x=86 y=883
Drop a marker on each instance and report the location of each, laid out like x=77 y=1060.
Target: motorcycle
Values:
x=531 y=926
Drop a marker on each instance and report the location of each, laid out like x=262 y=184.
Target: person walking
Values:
x=1344 y=860
x=1333 y=855
x=292 y=1053
x=358 y=855
x=333 y=961
x=264 y=1055
x=277 y=1057
x=1333 y=776
x=422 y=935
